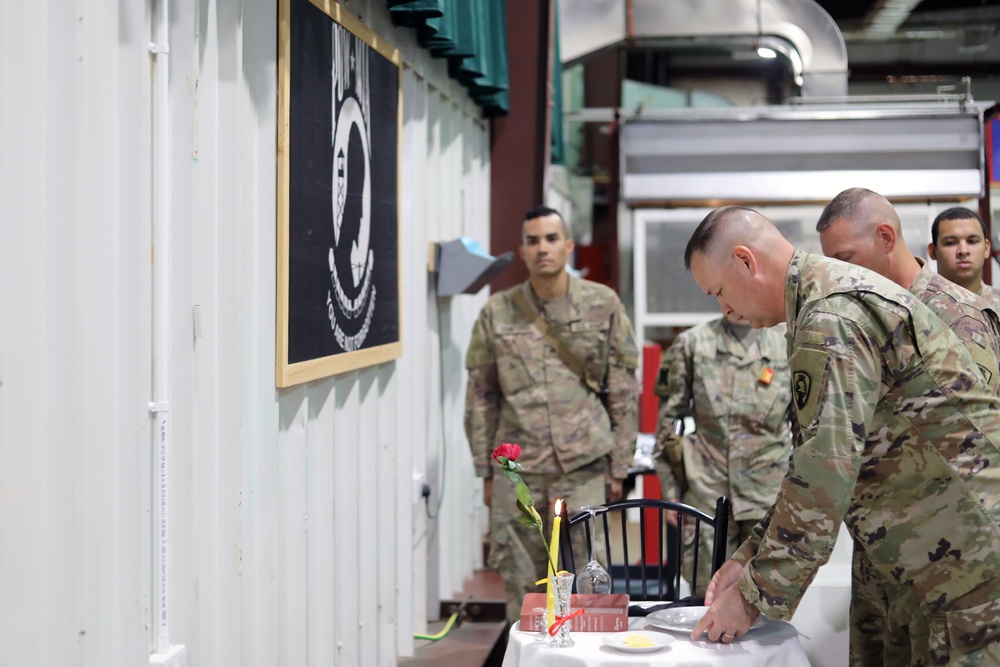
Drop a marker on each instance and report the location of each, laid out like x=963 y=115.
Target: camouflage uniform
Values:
x=897 y=439
x=974 y=321
x=739 y=398
x=990 y=294
x=520 y=391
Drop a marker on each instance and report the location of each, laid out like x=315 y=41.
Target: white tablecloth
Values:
x=776 y=644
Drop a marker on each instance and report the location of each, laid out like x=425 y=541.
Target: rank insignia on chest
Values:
x=766 y=375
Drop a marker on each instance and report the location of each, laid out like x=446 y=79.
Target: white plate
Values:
x=637 y=641
x=683 y=619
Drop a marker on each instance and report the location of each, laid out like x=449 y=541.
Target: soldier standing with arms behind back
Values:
x=547 y=393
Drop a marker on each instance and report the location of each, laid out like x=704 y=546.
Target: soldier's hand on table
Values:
x=614 y=490
x=725 y=577
x=728 y=619
x=488 y=491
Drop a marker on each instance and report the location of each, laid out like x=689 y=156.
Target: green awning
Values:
x=413 y=13
x=472 y=36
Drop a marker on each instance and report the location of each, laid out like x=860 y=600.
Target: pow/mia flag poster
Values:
x=338 y=254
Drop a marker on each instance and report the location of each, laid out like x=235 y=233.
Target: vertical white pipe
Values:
x=160 y=50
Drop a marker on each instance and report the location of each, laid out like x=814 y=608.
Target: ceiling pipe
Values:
x=884 y=18
x=590 y=26
x=952 y=24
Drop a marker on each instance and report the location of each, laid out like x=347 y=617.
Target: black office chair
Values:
x=660 y=579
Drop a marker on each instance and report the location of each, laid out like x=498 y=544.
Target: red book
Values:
x=604 y=613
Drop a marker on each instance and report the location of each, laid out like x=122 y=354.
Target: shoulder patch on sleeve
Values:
x=629 y=353
x=809 y=367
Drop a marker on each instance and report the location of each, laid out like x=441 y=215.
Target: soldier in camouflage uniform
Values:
x=897 y=438
x=734 y=382
x=861 y=227
x=989 y=293
x=961 y=246
x=521 y=391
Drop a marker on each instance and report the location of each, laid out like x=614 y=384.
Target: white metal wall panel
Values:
x=297 y=535
x=389 y=604
x=321 y=536
x=71 y=503
x=347 y=523
x=411 y=528
x=431 y=451
x=455 y=183
x=445 y=464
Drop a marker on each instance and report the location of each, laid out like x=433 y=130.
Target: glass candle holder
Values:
x=562 y=590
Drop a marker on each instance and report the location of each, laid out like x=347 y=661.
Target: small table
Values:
x=776 y=644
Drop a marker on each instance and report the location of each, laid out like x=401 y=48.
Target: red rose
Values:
x=506 y=455
x=511 y=451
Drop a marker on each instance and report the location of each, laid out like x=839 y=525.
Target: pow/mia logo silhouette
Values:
x=350 y=301
x=801 y=387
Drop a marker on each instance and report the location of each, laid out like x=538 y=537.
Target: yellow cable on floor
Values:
x=447 y=628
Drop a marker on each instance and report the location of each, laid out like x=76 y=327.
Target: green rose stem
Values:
x=529 y=515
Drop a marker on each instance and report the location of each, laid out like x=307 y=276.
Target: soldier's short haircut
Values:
x=955 y=213
x=844 y=205
x=704 y=234
x=541 y=212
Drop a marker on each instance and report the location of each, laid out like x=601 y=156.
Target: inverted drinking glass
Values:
x=593 y=578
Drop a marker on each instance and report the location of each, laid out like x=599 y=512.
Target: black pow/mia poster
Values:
x=338 y=254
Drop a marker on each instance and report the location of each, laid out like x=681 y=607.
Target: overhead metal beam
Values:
x=884 y=18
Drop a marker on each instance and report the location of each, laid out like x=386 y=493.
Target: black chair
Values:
x=657 y=579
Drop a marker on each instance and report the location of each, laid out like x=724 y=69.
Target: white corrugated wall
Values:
x=297 y=534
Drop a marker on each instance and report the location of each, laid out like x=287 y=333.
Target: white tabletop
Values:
x=776 y=644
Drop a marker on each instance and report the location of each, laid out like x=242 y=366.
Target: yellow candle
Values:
x=550 y=600
x=554 y=543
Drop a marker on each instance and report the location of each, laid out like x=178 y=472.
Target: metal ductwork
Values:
x=800 y=30
x=804 y=153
